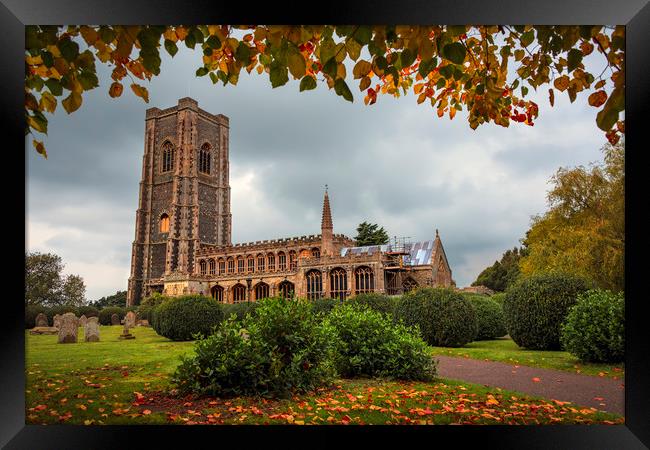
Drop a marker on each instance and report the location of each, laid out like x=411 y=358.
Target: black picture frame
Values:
x=15 y=14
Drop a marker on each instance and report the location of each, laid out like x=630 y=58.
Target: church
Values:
x=183 y=231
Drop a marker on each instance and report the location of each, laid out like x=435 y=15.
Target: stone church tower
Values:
x=184 y=194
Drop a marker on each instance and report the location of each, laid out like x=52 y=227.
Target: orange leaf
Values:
x=536 y=380
x=140 y=91
x=597 y=98
x=146 y=412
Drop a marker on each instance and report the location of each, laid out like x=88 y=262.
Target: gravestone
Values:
x=92 y=329
x=44 y=330
x=57 y=321
x=83 y=320
x=41 y=320
x=143 y=323
x=68 y=329
x=115 y=319
x=129 y=320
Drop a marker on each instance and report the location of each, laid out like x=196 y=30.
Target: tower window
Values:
x=168 y=157
x=204 y=159
x=164 y=223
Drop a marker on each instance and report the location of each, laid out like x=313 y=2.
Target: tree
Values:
x=117 y=299
x=74 y=291
x=452 y=67
x=44 y=284
x=583 y=232
x=370 y=234
x=502 y=273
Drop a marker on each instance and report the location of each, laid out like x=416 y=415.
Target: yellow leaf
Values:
x=365 y=83
x=422 y=97
x=353 y=48
x=340 y=71
x=34 y=60
x=40 y=148
x=361 y=69
x=418 y=88
x=561 y=83
x=296 y=64
x=339 y=52
x=260 y=69
x=171 y=35
x=600 y=84
x=140 y=91
x=48 y=102
x=36 y=124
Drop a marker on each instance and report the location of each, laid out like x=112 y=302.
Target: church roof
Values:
x=419 y=252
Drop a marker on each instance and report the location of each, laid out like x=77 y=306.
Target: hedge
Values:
x=181 y=318
x=106 y=313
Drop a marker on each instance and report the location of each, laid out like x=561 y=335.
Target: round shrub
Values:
x=31 y=311
x=489 y=316
x=594 y=329
x=180 y=318
x=106 y=313
x=279 y=350
x=370 y=344
x=535 y=307
x=88 y=311
x=321 y=307
x=60 y=310
x=377 y=302
x=239 y=309
x=445 y=317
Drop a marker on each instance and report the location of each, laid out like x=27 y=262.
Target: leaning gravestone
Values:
x=115 y=319
x=83 y=320
x=92 y=329
x=129 y=320
x=57 y=321
x=41 y=320
x=68 y=329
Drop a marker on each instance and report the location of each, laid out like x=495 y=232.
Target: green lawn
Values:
x=126 y=382
x=505 y=350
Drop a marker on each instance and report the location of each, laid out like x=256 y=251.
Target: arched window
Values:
x=409 y=284
x=315 y=252
x=212 y=266
x=286 y=289
x=231 y=265
x=260 y=263
x=271 y=260
x=338 y=283
x=293 y=264
x=217 y=293
x=203 y=266
x=251 y=264
x=164 y=223
x=364 y=280
x=261 y=290
x=168 y=154
x=240 y=264
x=238 y=293
x=222 y=266
x=282 y=261
x=314 y=284
x=204 y=158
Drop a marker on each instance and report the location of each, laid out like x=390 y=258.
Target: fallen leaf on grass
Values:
x=536 y=380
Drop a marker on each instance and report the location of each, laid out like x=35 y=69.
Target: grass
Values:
x=505 y=350
x=127 y=382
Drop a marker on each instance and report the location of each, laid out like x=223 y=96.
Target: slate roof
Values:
x=419 y=252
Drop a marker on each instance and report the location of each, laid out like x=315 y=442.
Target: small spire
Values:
x=437 y=233
x=326 y=221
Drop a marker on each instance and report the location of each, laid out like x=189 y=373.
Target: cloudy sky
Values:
x=394 y=163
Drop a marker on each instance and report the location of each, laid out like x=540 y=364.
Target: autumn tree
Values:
x=45 y=285
x=370 y=234
x=583 y=232
x=484 y=70
x=502 y=273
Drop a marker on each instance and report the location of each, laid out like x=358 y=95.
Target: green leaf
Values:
x=171 y=47
x=190 y=41
x=201 y=72
x=47 y=58
x=427 y=66
x=447 y=71
x=363 y=35
x=279 y=74
x=151 y=60
x=213 y=42
x=296 y=63
x=524 y=91
x=307 y=83
x=106 y=34
x=380 y=62
x=342 y=89
x=456 y=30
x=330 y=67
x=213 y=77
x=527 y=38
x=407 y=57
x=149 y=38
x=441 y=83
x=454 y=52
x=243 y=53
x=69 y=49
x=54 y=86
x=88 y=80
x=574 y=59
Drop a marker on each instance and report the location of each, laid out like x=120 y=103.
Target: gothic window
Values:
x=364 y=280
x=293 y=265
x=168 y=157
x=260 y=263
x=271 y=258
x=204 y=158
x=314 y=284
x=203 y=266
x=240 y=264
x=282 y=261
x=212 y=266
x=338 y=283
x=409 y=284
x=286 y=289
x=238 y=293
x=222 y=266
x=392 y=284
x=261 y=291
x=231 y=265
x=251 y=264
x=217 y=293
x=315 y=252
x=164 y=223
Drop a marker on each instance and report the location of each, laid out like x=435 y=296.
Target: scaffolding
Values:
x=396 y=263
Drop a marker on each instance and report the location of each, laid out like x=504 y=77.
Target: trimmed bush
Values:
x=377 y=302
x=444 y=316
x=88 y=311
x=370 y=344
x=279 y=350
x=321 y=307
x=31 y=311
x=106 y=313
x=239 y=309
x=60 y=310
x=181 y=318
x=489 y=316
x=594 y=329
x=535 y=307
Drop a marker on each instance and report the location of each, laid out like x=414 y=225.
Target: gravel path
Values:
x=601 y=393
